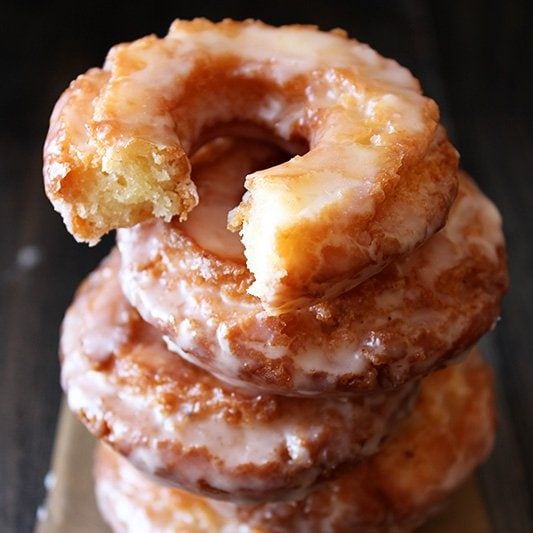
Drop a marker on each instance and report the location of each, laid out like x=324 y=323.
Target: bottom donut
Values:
x=450 y=431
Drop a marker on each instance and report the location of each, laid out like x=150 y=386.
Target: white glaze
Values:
x=451 y=428
x=173 y=420
x=208 y=315
x=363 y=116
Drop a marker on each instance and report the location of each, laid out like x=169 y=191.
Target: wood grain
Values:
x=473 y=57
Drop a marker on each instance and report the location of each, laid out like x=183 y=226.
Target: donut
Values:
x=402 y=323
x=449 y=432
x=179 y=423
x=377 y=180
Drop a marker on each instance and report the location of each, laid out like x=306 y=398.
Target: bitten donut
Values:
x=179 y=423
x=378 y=179
x=449 y=432
x=402 y=323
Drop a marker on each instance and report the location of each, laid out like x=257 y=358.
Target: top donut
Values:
x=368 y=188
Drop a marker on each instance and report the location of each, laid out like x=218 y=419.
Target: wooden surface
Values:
x=473 y=57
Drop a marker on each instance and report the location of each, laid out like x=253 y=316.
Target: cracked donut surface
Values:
x=314 y=226
x=180 y=423
x=299 y=266
x=449 y=432
x=400 y=324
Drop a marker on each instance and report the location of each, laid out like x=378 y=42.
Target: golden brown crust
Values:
x=81 y=189
x=402 y=323
x=449 y=432
x=119 y=141
x=181 y=424
x=362 y=244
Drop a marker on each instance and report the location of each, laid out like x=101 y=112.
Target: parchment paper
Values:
x=70 y=506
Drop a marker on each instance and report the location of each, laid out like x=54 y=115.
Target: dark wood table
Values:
x=473 y=57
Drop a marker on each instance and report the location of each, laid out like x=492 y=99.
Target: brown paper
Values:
x=70 y=506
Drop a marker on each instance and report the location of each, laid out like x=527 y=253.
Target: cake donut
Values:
x=449 y=432
x=372 y=176
x=409 y=319
x=179 y=423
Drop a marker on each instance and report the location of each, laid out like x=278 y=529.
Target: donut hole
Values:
x=235 y=158
x=219 y=106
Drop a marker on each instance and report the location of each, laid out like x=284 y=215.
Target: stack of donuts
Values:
x=284 y=337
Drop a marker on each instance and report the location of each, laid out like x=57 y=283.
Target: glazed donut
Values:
x=370 y=189
x=179 y=423
x=402 y=323
x=449 y=432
